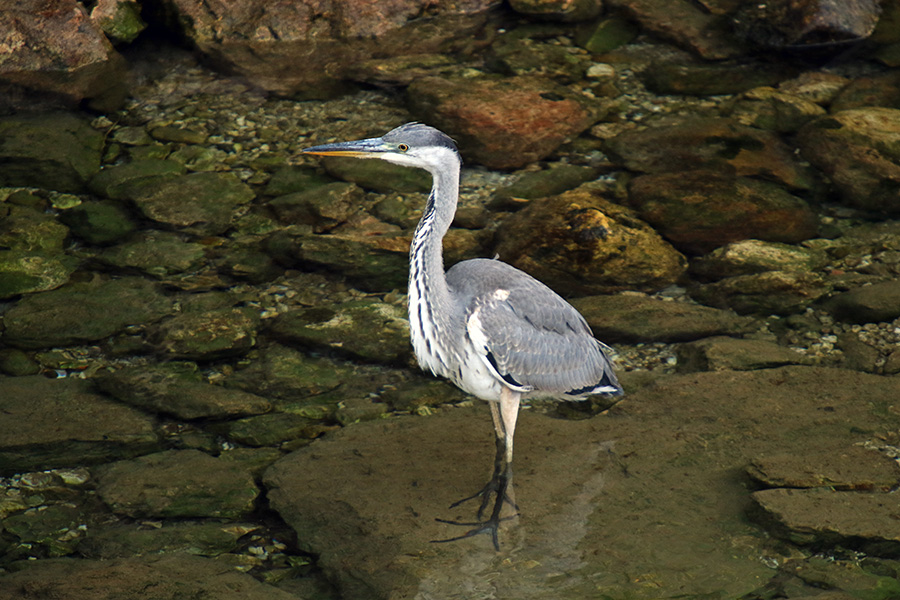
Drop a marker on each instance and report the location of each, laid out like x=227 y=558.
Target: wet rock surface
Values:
x=207 y=381
x=604 y=482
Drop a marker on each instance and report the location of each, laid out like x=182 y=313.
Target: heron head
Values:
x=412 y=144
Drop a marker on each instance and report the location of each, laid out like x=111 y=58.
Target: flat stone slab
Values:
x=640 y=502
x=846 y=468
x=821 y=517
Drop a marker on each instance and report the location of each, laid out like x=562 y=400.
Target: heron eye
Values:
x=402 y=147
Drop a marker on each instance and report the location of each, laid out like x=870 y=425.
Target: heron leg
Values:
x=504 y=414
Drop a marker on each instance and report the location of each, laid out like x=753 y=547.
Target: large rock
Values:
x=700 y=210
x=868 y=304
x=49 y=423
x=52 y=151
x=632 y=318
x=858 y=150
x=680 y=21
x=54 y=54
x=503 y=123
x=771 y=292
x=678 y=144
x=579 y=243
x=579 y=486
x=83 y=312
x=307 y=48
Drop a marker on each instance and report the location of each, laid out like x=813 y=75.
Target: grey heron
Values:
x=491 y=329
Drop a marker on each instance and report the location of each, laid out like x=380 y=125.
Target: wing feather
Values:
x=527 y=335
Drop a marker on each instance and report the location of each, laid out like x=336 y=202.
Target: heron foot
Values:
x=498 y=490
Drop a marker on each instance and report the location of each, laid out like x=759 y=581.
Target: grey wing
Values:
x=531 y=338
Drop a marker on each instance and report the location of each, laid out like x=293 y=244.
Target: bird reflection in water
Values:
x=491 y=329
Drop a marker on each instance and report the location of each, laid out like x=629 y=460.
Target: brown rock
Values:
x=53 y=423
x=698 y=143
x=578 y=243
x=306 y=48
x=857 y=149
x=813 y=23
x=503 y=123
x=684 y=23
x=703 y=209
x=868 y=304
x=53 y=54
x=558 y=10
x=169 y=576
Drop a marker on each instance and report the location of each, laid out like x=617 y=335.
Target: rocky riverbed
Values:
x=206 y=384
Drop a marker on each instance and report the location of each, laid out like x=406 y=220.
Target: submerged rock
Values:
x=185 y=538
x=199 y=203
x=50 y=423
x=572 y=497
x=720 y=353
x=579 y=243
x=867 y=304
x=51 y=151
x=633 y=318
x=679 y=144
x=756 y=256
x=208 y=334
x=504 y=123
x=703 y=209
x=170 y=576
x=83 y=312
x=822 y=518
x=179 y=390
x=858 y=151
x=177 y=483
x=771 y=292
x=366 y=329
x=156 y=253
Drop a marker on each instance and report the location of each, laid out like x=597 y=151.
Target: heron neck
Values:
x=426 y=258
